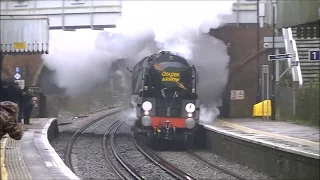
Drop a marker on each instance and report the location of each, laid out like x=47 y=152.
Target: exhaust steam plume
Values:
x=211 y=59
x=145 y=28
x=180 y=27
x=173 y=25
x=78 y=66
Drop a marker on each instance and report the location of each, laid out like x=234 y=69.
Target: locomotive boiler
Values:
x=164 y=94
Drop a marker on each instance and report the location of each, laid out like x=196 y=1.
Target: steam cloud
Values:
x=145 y=28
x=211 y=59
x=180 y=27
x=77 y=64
x=173 y=25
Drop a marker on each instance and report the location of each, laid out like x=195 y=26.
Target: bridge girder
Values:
x=97 y=14
x=68 y=15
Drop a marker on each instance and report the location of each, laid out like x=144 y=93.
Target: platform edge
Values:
x=46 y=132
x=261 y=142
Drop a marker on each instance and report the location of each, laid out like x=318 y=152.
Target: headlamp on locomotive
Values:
x=164 y=92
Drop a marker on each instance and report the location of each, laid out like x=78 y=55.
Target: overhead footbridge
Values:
x=97 y=14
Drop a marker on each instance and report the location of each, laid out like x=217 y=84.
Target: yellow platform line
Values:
x=2 y=160
x=246 y=129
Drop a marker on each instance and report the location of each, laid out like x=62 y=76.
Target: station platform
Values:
x=285 y=136
x=33 y=157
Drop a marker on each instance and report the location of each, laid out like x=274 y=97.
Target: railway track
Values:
x=176 y=172
x=108 y=139
x=68 y=160
x=163 y=164
x=224 y=170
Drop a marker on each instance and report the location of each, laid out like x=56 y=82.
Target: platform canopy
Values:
x=295 y=12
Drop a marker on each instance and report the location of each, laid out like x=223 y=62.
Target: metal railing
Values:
x=294 y=62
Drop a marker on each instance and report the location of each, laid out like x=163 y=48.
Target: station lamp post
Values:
x=273 y=79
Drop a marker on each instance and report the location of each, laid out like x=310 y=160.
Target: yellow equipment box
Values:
x=262 y=109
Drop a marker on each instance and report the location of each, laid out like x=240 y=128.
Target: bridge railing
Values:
x=294 y=62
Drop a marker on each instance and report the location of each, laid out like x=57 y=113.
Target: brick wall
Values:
x=242 y=42
x=30 y=62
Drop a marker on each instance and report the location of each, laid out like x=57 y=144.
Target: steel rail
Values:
x=67 y=157
x=109 y=139
x=197 y=157
x=163 y=164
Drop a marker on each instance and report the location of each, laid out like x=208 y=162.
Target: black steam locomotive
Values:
x=164 y=92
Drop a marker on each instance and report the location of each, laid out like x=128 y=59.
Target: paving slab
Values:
x=32 y=157
x=288 y=136
x=285 y=128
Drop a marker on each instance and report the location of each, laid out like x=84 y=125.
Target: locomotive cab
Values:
x=165 y=96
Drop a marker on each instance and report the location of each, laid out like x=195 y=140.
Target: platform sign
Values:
x=237 y=94
x=314 y=55
x=17 y=70
x=279 y=57
x=277 y=39
x=17 y=76
x=294 y=63
x=35 y=89
x=20 y=83
x=278 y=42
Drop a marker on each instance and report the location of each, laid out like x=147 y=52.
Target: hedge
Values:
x=307 y=103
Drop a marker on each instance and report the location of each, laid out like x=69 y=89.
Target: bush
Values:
x=307 y=103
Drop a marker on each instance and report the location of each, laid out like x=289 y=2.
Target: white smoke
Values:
x=123 y=81
x=211 y=59
x=173 y=25
x=130 y=116
x=180 y=27
x=208 y=113
x=77 y=64
x=145 y=28
x=122 y=45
